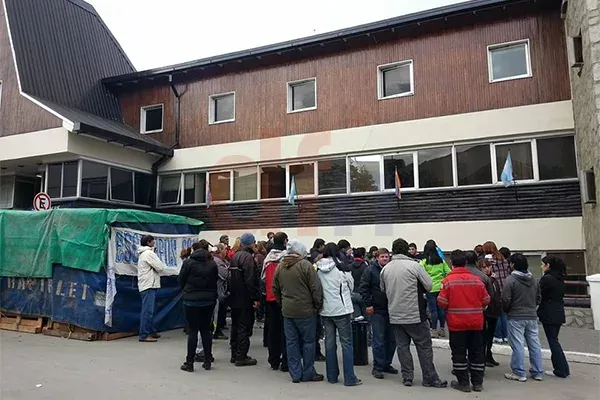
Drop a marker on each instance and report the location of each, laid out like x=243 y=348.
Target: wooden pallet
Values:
x=68 y=331
x=21 y=323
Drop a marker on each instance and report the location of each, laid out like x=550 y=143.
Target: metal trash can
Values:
x=359 y=338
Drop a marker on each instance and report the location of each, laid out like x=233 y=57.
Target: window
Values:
x=395 y=80
x=332 y=176
x=435 y=168
x=520 y=154
x=220 y=185
x=304 y=177
x=62 y=179
x=509 y=61
x=7 y=186
x=194 y=188
x=151 y=120
x=245 y=184
x=168 y=189
x=404 y=163
x=121 y=184
x=302 y=95
x=473 y=163
x=556 y=158
x=94 y=180
x=143 y=188
x=53 y=187
x=577 y=51
x=588 y=189
x=221 y=108
x=272 y=182
x=364 y=173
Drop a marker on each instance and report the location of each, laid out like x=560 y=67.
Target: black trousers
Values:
x=559 y=361
x=275 y=335
x=468 y=356
x=199 y=319
x=242 y=322
x=222 y=315
x=488 y=336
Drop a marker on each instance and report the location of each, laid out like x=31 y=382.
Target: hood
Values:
x=289 y=260
x=200 y=255
x=523 y=277
x=142 y=249
x=275 y=256
x=555 y=274
x=325 y=265
x=358 y=263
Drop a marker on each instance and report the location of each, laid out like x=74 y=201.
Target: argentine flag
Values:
x=293 y=195
x=507 y=172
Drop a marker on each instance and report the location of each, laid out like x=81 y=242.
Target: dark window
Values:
x=7 y=187
x=474 y=164
x=435 y=168
x=194 y=190
x=303 y=95
x=121 y=183
x=332 y=176
x=223 y=108
x=404 y=164
x=304 y=177
x=70 y=173
x=143 y=188
x=520 y=154
x=245 y=184
x=510 y=61
x=220 y=188
x=272 y=182
x=396 y=80
x=153 y=118
x=94 y=180
x=169 y=189
x=364 y=173
x=24 y=193
x=589 y=187
x=556 y=158
x=578 y=50
x=53 y=188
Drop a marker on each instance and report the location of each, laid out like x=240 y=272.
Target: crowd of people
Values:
x=485 y=295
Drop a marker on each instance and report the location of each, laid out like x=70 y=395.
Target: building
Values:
x=440 y=96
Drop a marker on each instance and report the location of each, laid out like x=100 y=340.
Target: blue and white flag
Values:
x=507 y=172
x=293 y=194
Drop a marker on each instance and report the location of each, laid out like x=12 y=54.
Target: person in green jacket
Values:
x=437 y=269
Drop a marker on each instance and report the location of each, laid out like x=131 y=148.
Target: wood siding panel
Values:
x=17 y=114
x=450 y=75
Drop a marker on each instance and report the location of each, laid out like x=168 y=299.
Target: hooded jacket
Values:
x=243 y=281
x=358 y=267
x=437 y=273
x=271 y=263
x=552 y=308
x=337 y=287
x=149 y=267
x=521 y=296
x=370 y=289
x=198 y=277
x=296 y=287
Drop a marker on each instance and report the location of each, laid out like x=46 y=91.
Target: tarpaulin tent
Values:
x=77 y=266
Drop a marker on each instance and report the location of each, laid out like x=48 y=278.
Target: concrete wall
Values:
x=584 y=16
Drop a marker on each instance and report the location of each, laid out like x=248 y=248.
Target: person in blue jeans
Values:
x=520 y=297
x=149 y=269
x=338 y=284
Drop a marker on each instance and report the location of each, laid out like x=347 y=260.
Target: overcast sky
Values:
x=161 y=33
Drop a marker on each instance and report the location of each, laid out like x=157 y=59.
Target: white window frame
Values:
x=62 y=179
x=289 y=88
x=232 y=195
x=143 y=111
x=386 y=67
x=332 y=157
x=415 y=171
x=211 y=108
x=493 y=47
x=158 y=187
x=220 y=171
x=455 y=163
x=288 y=179
x=534 y=161
x=349 y=180
x=110 y=196
x=183 y=204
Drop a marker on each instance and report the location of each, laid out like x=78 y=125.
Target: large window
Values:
x=395 y=79
x=151 y=119
x=169 y=189
x=473 y=163
x=272 y=182
x=7 y=188
x=54 y=184
x=332 y=176
x=62 y=179
x=304 y=177
x=509 y=61
x=364 y=173
x=143 y=188
x=404 y=164
x=221 y=108
x=121 y=184
x=435 y=167
x=245 y=184
x=522 y=160
x=194 y=188
x=94 y=180
x=302 y=95
x=220 y=185
x=556 y=158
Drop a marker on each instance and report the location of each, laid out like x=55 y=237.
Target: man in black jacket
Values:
x=384 y=342
x=243 y=299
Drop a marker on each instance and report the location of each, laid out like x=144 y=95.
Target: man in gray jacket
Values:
x=405 y=282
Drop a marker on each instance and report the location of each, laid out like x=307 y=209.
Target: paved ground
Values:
x=576 y=339
x=127 y=369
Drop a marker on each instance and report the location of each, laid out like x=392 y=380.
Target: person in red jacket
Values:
x=464 y=297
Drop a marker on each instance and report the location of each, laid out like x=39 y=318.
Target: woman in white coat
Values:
x=336 y=313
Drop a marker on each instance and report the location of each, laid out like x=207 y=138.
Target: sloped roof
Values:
x=63 y=50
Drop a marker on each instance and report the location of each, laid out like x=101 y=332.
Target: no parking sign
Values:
x=42 y=202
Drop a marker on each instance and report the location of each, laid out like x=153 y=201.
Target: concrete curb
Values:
x=505 y=350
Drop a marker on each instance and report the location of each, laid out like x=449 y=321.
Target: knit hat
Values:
x=247 y=239
x=295 y=247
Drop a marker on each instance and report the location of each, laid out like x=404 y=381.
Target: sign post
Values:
x=42 y=202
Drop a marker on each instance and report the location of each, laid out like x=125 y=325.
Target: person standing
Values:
x=224 y=239
x=501 y=269
x=298 y=290
x=520 y=298
x=198 y=280
x=464 y=296
x=405 y=282
x=384 y=342
x=345 y=255
x=316 y=253
x=414 y=253
x=493 y=310
x=336 y=314
x=437 y=269
x=243 y=300
x=551 y=311
x=358 y=267
x=149 y=268
x=220 y=258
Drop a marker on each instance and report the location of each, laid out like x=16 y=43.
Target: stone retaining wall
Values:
x=579 y=317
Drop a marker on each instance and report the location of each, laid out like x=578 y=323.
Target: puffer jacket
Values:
x=358 y=267
x=198 y=277
x=149 y=267
x=337 y=287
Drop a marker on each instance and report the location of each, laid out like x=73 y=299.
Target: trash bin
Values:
x=594 y=282
x=359 y=338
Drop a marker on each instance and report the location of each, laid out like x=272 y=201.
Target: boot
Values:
x=187 y=367
x=461 y=387
x=247 y=362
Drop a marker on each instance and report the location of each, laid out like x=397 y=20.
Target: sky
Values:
x=157 y=33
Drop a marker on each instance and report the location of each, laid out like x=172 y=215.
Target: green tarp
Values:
x=31 y=242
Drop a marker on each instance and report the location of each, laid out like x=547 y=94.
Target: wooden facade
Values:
x=450 y=77
x=17 y=114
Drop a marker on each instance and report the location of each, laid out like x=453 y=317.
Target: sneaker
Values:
x=458 y=386
x=497 y=341
x=156 y=335
x=513 y=377
x=187 y=367
x=407 y=382
x=434 y=334
x=357 y=383
x=149 y=339
x=390 y=370
x=359 y=318
x=439 y=383
x=550 y=373
x=538 y=378
x=247 y=362
x=505 y=341
x=377 y=374
x=317 y=378
x=478 y=388
x=441 y=332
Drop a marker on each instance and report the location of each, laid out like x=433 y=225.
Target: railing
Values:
x=577 y=294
